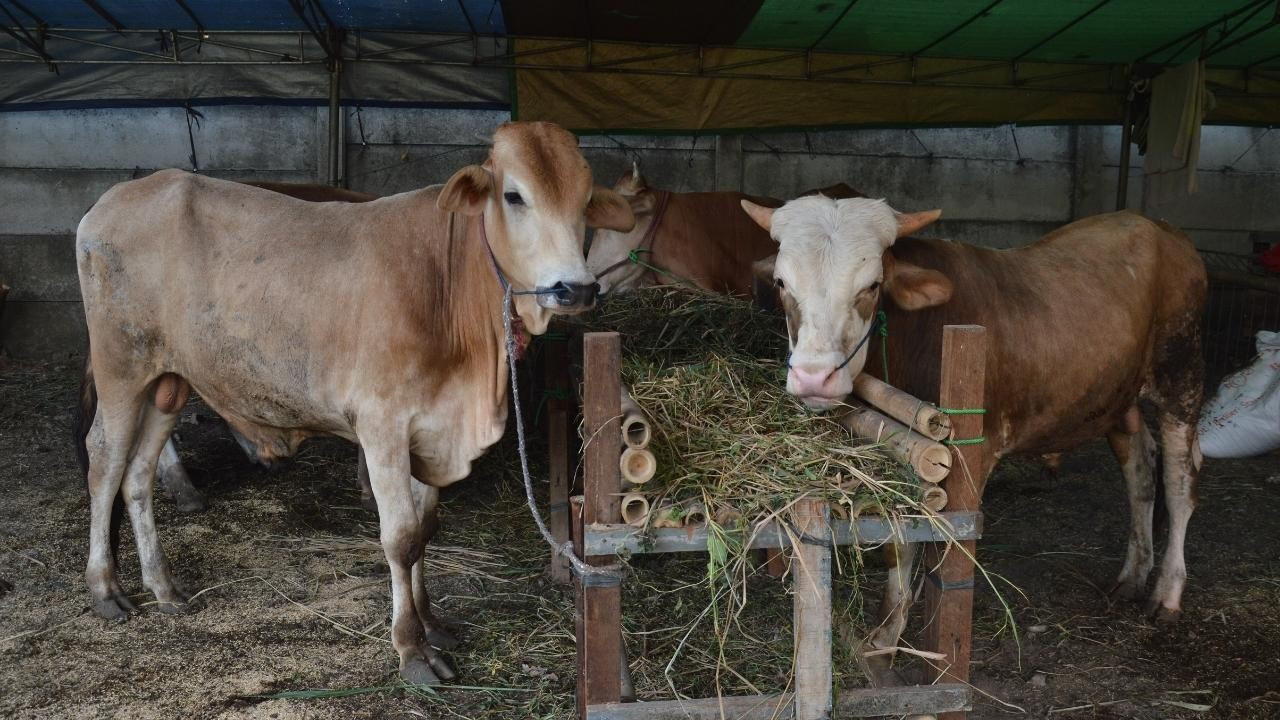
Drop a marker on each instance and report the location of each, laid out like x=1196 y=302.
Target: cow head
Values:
x=609 y=248
x=536 y=198
x=833 y=263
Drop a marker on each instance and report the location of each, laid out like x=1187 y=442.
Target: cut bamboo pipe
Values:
x=931 y=460
x=635 y=509
x=638 y=466
x=933 y=497
x=695 y=513
x=635 y=424
x=906 y=409
x=665 y=515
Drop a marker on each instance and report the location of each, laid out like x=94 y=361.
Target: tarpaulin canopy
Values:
x=660 y=65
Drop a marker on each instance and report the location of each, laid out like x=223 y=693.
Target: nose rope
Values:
x=879 y=324
x=646 y=243
x=590 y=574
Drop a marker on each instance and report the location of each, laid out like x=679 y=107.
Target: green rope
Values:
x=966 y=441
x=633 y=257
x=963 y=411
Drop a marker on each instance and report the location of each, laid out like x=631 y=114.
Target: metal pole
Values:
x=335 y=122
x=1122 y=182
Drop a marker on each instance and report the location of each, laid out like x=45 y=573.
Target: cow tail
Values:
x=86 y=409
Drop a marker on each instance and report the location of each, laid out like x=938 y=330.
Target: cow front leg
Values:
x=426 y=498
x=1182 y=462
x=401 y=535
x=362 y=482
x=1137 y=455
x=892 y=618
x=175 y=481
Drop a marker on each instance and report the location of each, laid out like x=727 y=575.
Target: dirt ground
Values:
x=291 y=617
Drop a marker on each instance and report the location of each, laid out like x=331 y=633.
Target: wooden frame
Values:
x=599 y=535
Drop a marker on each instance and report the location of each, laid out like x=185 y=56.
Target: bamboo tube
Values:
x=695 y=513
x=931 y=460
x=638 y=466
x=933 y=497
x=913 y=412
x=665 y=515
x=635 y=424
x=635 y=509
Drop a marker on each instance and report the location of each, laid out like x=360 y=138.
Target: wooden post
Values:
x=812 y=613
x=557 y=387
x=600 y=599
x=948 y=597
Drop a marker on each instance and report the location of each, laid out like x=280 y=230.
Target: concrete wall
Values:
x=1001 y=187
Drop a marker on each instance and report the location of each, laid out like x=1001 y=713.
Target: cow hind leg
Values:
x=175 y=481
x=1182 y=460
x=108 y=443
x=401 y=534
x=1136 y=451
x=892 y=618
x=153 y=435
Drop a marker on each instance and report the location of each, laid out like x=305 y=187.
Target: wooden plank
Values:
x=868 y=702
x=811 y=615
x=599 y=639
x=619 y=539
x=948 y=598
x=556 y=383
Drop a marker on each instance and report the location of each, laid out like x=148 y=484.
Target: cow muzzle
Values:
x=569 y=297
x=819 y=388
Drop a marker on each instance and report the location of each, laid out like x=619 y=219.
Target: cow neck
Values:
x=517 y=328
x=646 y=246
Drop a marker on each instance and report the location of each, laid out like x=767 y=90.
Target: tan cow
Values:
x=1080 y=325
x=378 y=322
x=698 y=237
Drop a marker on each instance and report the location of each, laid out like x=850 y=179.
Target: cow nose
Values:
x=813 y=382
x=575 y=294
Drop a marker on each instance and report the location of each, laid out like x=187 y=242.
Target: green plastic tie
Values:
x=963 y=411
x=966 y=441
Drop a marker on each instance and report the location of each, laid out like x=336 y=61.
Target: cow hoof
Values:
x=1126 y=590
x=440 y=639
x=1163 y=615
x=439 y=665
x=115 y=608
x=416 y=671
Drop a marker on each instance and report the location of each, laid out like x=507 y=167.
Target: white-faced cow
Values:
x=697 y=237
x=378 y=322
x=1080 y=325
x=170 y=472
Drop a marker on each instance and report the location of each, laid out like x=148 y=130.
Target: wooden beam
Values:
x=869 y=702
x=948 y=597
x=619 y=539
x=600 y=599
x=556 y=384
x=811 y=615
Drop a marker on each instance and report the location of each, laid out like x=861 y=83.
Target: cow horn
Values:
x=761 y=214
x=909 y=223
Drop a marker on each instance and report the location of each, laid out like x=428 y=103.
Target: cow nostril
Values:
x=575 y=293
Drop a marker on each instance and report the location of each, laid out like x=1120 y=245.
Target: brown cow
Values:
x=170 y=472
x=698 y=237
x=378 y=322
x=1080 y=325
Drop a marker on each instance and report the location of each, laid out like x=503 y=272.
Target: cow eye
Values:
x=874 y=286
x=777 y=282
x=513 y=198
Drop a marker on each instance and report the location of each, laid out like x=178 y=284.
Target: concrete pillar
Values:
x=729 y=162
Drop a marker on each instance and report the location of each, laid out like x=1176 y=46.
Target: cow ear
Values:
x=913 y=287
x=631 y=183
x=467 y=191
x=761 y=214
x=609 y=210
x=910 y=223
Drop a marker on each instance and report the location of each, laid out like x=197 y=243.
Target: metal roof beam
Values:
x=1227 y=33
x=1061 y=30
x=27 y=11
x=328 y=36
x=102 y=13
x=1193 y=33
x=1224 y=44
x=36 y=45
x=972 y=19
